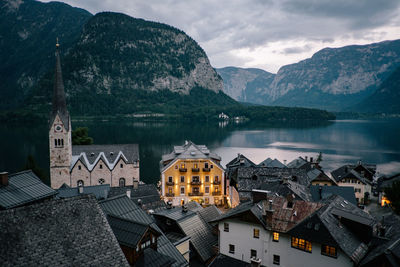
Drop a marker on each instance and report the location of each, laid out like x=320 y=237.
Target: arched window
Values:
x=58 y=142
x=121 y=182
x=80 y=183
x=55 y=142
x=62 y=142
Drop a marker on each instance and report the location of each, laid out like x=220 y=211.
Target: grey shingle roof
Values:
x=147 y=193
x=223 y=260
x=192 y=225
x=59 y=232
x=152 y=258
x=100 y=191
x=347 y=192
x=272 y=163
x=345 y=170
x=209 y=213
x=23 y=188
x=124 y=207
x=301 y=192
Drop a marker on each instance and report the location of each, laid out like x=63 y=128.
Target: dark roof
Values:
x=324 y=227
x=151 y=258
x=128 y=232
x=147 y=193
x=223 y=260
x=209 y=213
x=59 y=103
x=387 y=247
x=110 y=152
x=318 y=175
x=272 y=163
x=300 y=163
x=240 y=160
x=348 y=169
x=124 y=207
x=23 y=188
x=387 y=182
x=192 y=225
x=59 y=232
x=100 y=191
x=283 y=188
x=347 y=192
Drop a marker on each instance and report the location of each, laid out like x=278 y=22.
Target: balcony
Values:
x=182 y=169
x=206 y=169
x=169 y=194
x=216 y=193
x=195 y=183
x=217 y=182
x=195 y=169
x=196 y=194
x=170 y=183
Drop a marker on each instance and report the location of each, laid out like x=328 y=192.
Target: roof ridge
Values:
x=21 y=172
x=127 y=220
x=113 y=198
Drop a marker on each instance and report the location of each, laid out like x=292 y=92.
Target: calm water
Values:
x=340 y=142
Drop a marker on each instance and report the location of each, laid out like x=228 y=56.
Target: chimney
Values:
x=135 y=184
x=255 y=262
x=169 y=205
x=128 y=193
x=311 y=159
x=306 y=158
x=320 y=192
x=184 y=208
x=4 y=178
x=268 y=212
x=270 y=205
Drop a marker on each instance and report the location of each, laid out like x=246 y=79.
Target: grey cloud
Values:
x=296 y=50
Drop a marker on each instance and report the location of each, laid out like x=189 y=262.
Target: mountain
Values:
x=122 y=64
x=246 y=85
x=385 y=99
x=28 y=32
x=332 y=79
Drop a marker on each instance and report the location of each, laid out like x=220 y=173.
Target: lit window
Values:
x=301 y=244
x=253 y=253
x=277 y=260
x=256 y=233
x=169 y=190
x=216 y=189
x=232 y=249
x=275 y=237
x=182 y=165
x=328 y=251
x=216 y=179
x=182 y=179
x=207 y=190
x=195 y=166
x=207 y=179
x=226 y=227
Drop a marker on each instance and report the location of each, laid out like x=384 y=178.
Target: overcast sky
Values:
x=265 y=34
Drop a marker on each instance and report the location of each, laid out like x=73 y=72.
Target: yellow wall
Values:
x=174 y=172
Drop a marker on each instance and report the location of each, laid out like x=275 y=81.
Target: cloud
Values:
x=256 y=27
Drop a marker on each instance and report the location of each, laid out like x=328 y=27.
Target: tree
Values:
x=31 y=165
x=319 y=158
x=393 y=195
x=80 y=136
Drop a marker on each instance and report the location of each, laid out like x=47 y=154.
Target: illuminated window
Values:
x=195 y=166
x=216 y=189
x=216 y=179
x=169 y=190
x=207 y=190
x=256 y=233
x=328 y=251
x=275 y=237
x=226 y=227
x=301 y=244
x=182 y=165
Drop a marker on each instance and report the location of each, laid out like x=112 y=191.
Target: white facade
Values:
x=241 y=236
x=359 y=188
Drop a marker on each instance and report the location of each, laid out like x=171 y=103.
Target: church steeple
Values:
x=59 y=103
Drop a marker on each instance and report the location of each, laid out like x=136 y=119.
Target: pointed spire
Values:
x=59 y=103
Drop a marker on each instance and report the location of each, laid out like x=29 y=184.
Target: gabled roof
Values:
x=23 y=188
x=223 y=260
x=297 y=163
x=124 y=207
x=100 y=191
x=347 y=192
x=151 y=258
x=240 y=160
x=129 y=232
x=67 y=232
x=387 y=182
x=146 y=194
x=209 y=213
x=272 y=163
x=341 y=172
x=189 y=151
x=325 y=227
x=90 y=155
x=192 y=225
x=318 y=175
x=283 y=188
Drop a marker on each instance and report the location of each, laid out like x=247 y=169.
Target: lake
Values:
x=346 y=141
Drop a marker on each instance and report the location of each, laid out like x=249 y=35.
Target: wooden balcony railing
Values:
x=182 y=169
x=206 y=169
x=193 y=194
x=195 y=169
x=195 y=183
x=216 y=193
x=170 y=194
x=170 y=183
x=217 y=182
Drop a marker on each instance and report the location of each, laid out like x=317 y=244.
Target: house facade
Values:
x=192 y=173
x=117 y=165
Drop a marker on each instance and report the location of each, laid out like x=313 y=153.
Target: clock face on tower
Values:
x=58 y=128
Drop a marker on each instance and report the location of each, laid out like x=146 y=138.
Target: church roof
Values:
x=59 y=102
x=89 y=155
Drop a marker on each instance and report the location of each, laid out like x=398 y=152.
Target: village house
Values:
x=386 y=182
x=192 y=173
x=318 y=177
x=282 y=232
x=116 y=165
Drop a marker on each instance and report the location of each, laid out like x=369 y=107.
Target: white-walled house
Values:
x=299 y=234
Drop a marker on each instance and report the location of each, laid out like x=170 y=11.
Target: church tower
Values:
x=60 y=142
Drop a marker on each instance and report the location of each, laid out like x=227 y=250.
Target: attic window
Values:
x=79 y=167
x=101 y=166
x=121 y=165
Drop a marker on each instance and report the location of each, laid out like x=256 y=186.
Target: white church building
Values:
x=117 y=165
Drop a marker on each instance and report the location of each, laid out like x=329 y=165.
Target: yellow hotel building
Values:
x=192 y=172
